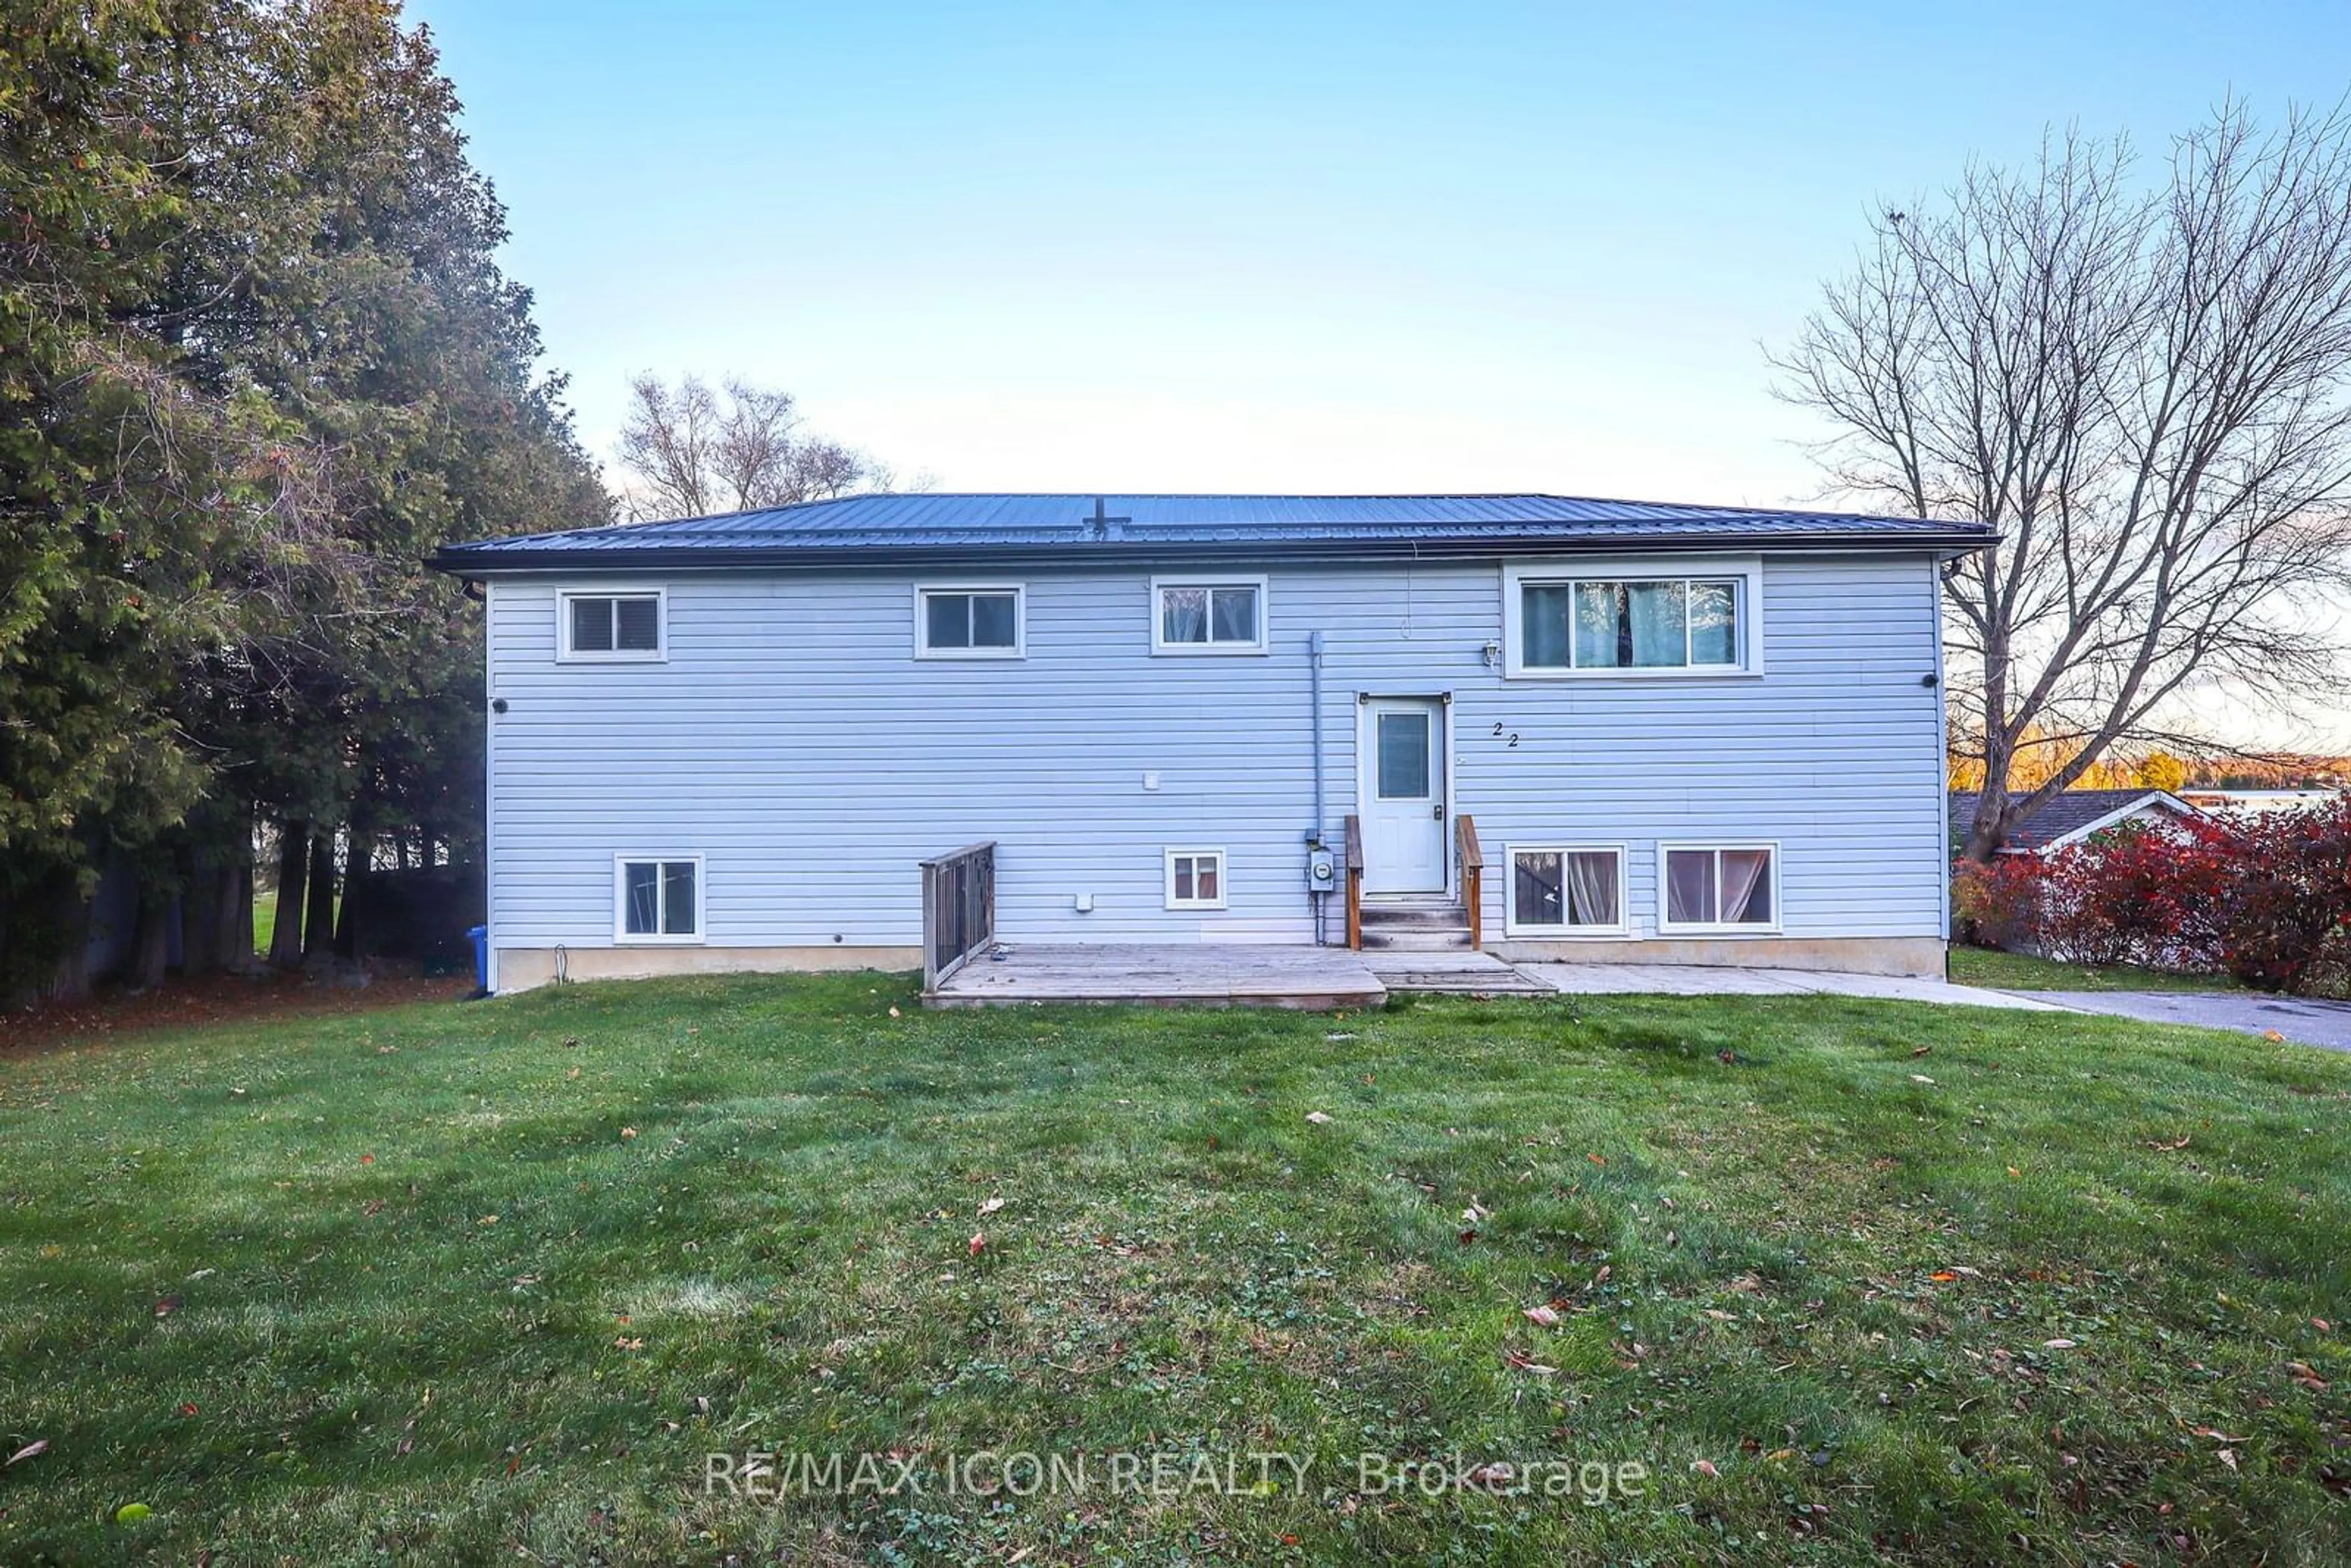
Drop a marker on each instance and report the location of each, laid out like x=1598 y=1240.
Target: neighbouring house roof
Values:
x=2068 y=816
x=945 y=528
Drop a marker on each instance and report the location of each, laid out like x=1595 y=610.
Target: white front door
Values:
x=1401 y=763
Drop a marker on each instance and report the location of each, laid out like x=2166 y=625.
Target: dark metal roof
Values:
x=2067 y=811
x=880 y=529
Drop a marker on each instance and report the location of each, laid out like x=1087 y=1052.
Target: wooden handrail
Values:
x=1354 y=882
x=1472 y=857
x=959 y=909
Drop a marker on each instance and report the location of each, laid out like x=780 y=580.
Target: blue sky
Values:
x=1300 y=247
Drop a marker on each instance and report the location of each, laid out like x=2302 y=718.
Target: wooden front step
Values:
x=1419 y=924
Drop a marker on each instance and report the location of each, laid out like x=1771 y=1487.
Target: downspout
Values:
x=1315 y=643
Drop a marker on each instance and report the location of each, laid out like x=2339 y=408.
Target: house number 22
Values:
x=1499 y=732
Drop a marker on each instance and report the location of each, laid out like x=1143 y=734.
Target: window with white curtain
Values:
x=657 y=898
x=1566 y=890
x=1630 y=618
x=1719 y=887
x=1678 y=623
x=1207 y=615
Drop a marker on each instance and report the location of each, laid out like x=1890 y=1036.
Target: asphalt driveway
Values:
x=2308 y=1022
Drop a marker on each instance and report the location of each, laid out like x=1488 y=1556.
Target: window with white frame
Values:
x=1195 y=879
x=1617 y=619
x=960 y=622
x=614 y=625
x=1207 y=615
x=1564 y=890
x=657 y=898
x=1719 y=887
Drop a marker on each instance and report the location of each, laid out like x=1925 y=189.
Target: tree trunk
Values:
x=319 y=916
x=150 y=948
x=293 y=878
x=70 y=911
x=200 y=920
x=359 y=864
x=235 y=930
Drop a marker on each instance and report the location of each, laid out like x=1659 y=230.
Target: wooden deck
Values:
x=1215 y=975
x=1203 y=975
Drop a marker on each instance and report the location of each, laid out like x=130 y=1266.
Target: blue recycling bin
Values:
x=480 y=935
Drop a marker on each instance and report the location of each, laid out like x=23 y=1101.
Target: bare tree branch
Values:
x=2143 y=386
x=693 y=453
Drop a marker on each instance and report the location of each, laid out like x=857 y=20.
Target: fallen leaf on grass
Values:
x=2302 y=1375
x=2178 y=1143
x=31 y=1450
x=1922 y=1051
x=978 y=1242
x=1317 y=1117
x=367 y=1159
x=1542 y=1317
x=2227 y=1457
x=1523 y=1364
x=167 y=1306
x=1705 y=1467
x=893 y=1012
x=1475 y=1213
x=627 y=1133
x=2058 y=1343
x=990 y=1207
x=1920 y=1078
x=2272 y=1037
x=1942 y=1276
x=624 y=1342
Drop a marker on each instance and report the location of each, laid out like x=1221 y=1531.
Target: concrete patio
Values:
x=1331 y=979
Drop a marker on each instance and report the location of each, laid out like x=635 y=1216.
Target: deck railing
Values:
x=959 y=909
x=1354 y=881
x=1471 y=857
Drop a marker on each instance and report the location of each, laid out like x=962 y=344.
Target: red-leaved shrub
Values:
x=2265 y=896
x=1998 y=905
x=2139 y=893
x=2286 y=914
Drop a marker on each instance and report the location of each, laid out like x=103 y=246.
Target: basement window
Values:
x=1195 y=879
x=1566 y=890
x=657 y=899
x=1724 y=888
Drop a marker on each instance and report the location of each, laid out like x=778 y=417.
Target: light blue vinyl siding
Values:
x=792 y=739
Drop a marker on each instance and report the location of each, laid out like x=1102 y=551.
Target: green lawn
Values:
x=2019 y=972
x=265 y=919
x=486 y=1282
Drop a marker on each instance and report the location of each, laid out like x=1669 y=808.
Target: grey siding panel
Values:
x=792 y=739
